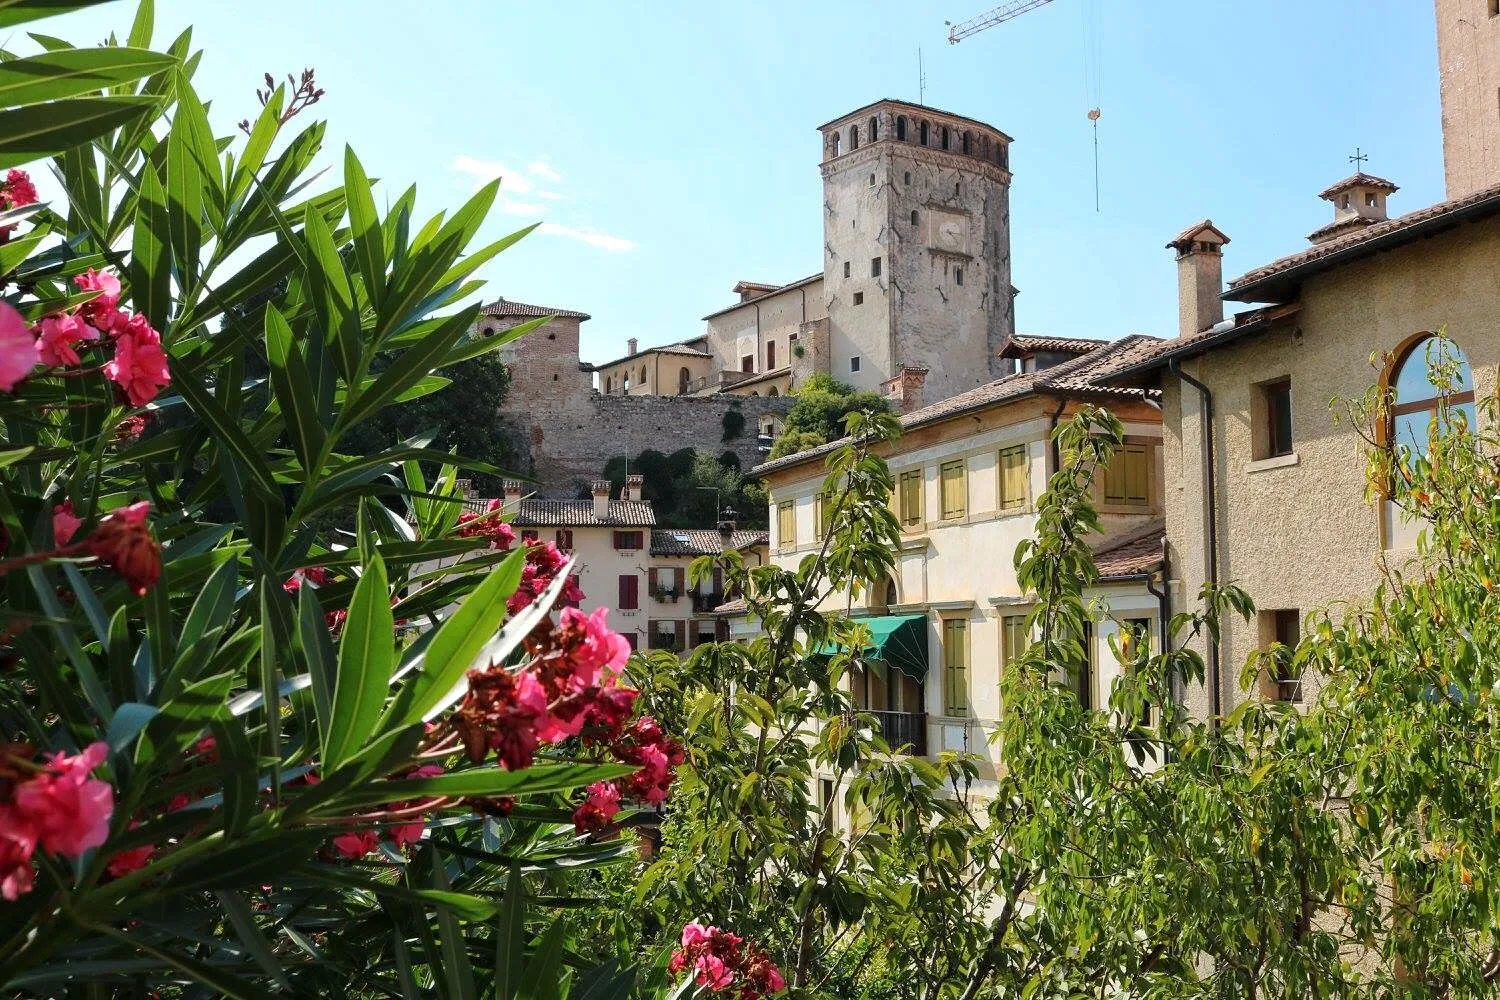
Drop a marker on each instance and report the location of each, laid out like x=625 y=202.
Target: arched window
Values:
x=874 y=128
x=853 y=137
x=683 y=378
x=922 y=132
x=754 y=393
x=964 y=143
x=609 y=385
x=1431 y=372
x=945 y=137
x=901 y=128
x=834 y=145
x=643 y=374
x=914 y=216
x=883 y=595
x=772 y=391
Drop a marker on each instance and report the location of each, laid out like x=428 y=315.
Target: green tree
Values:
x=823 y=404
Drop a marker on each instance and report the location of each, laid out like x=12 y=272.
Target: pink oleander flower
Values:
x=598 y=647
x=139 y=366
x=718 y=961
x=99 y=311
x=18 y=191
x=65 y=523
x=131 y=428
x=17 y=845
x=501 y=713
x=67 y=807
x=58 y=334
x=130 y=860
x=18 y=350
x=123 y=542
x=599 y=809
x=356 y=843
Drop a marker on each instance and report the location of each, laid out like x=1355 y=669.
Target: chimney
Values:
x=630 y=346
x=905 y=389
x=633 y=484
x=601 y=499
x=1200 y=277
x=1358 y=201
x=512 y=490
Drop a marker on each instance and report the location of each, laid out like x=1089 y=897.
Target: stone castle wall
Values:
x=566 y=441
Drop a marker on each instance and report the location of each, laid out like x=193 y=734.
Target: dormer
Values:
x=1358 y=201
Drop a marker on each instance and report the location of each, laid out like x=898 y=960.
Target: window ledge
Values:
x=1275 y=462
x=914 y=543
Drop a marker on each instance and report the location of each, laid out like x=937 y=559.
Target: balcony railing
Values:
x=704 y=603
x=902 y=729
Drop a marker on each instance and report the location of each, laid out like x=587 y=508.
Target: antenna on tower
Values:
x=921 y=79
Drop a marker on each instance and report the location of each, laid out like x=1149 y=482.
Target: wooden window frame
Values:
x=962 y=511
x=917 y=476
x=956 y=707
x=786 y=541
x=1147 y=451
x=1004 y=503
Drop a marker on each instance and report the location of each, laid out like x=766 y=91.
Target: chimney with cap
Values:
x=633 y=484
x=1200 y=277
x=512 y=491
x=904 y=390
x=601 y=499
x=1358 y=201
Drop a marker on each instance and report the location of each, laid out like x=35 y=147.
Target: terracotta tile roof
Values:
x=1278 y=279
x=1134 y=369
x=775 y=290
x=762 y=377
x=580 y=514
x=703 y=541
x=1191 y=234
x=1131 y=554
x=1358 y=179
x=1338 y=227
x=1026 y=343
x=678 y=348
x=731 y=608
x=1076 y=376
x=504 y=307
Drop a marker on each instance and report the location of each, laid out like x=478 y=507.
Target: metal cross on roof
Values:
x=1359 y=159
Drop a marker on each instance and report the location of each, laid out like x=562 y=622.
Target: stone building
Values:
x=682 y=614
x=967 y=473
x=1265 y=487
x=914 y=300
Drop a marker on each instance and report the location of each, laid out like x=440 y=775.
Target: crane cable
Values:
x=1093 y=74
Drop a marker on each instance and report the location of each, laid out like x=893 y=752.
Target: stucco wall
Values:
x=1469 y=64
x=750 y=329
x=1302 y=535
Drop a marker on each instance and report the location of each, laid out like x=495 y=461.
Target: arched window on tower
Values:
x=900 y=128
x=964 y=143
x=643 y=374
x=853 y=138
x=684 y=378
x=834 y=144
x=1429 y=383
x=945 y=137
x=874 y=128
x=922 y=133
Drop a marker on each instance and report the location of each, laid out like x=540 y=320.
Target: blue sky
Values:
x=670 y=146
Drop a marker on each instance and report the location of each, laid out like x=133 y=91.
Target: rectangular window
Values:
x=630 y=592
x=1284 y=627
x=955 y=666
x=529 y=536
x=1276 y=398
x=628 y=540
x=874 y=267
x=823 y=512
x=958 y=276
x=954 y=489
x=1014 y=478
x=1015 y=637
x=910 y=498
x=859 y=298
x=1083 y=679
x=565 y=539
x=786 y=525
x=771 y=356
x=1127 y=481
x=846 y=269
x=854 y=363
x=747 y=363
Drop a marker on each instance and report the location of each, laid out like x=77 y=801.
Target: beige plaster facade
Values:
x=1469 y=68
x=671 y=370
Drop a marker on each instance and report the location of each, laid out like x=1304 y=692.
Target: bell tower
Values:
x=1468 y=34
x=916 y=230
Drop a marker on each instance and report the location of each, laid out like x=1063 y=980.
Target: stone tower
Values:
x=1468 y=33
x=916 y=230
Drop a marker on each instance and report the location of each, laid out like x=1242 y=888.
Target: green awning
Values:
x=899 y=640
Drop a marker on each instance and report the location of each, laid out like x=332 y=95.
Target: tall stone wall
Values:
x=566 y=440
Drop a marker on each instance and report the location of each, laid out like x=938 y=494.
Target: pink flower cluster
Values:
x=318 y=576
x=16 y=192
x=407 y=827
x=122 y=541
x=719 y=961
x=487 y=525
x=138 y=365
x=58 y=806
x=543 y=562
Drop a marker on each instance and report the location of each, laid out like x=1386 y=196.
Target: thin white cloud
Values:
x=543 y=169
x=484 y=171
x=519 y=207
x=591 y=237
x=551 y=195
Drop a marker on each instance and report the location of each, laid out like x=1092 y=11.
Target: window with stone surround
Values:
x=1271 y=413
x=909 y=498
x=953 y=489
x=956 y=666
x=786 y=526
x=1014 y=491
x=854 y=362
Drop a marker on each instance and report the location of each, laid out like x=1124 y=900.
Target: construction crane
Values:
x=974 y=25
x=1092 y=43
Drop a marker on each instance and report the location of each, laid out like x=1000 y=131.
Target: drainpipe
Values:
x=1210 y=534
